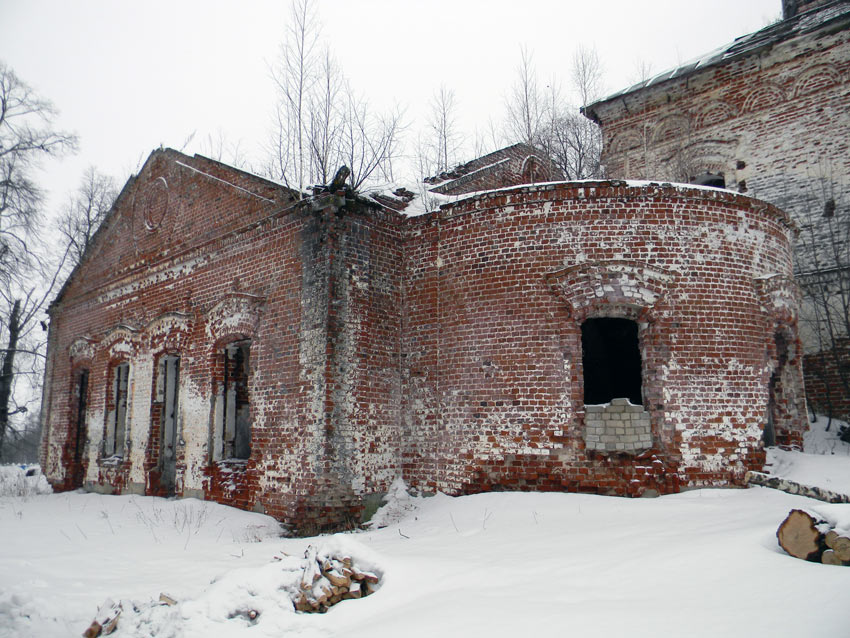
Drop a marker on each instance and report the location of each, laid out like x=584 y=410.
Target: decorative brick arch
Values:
x=121 y=342
x=780 y=297
x=711 y=156
x=82 y=350
x=170 y=331
x=672 y=128
x=763 y=97
x=614 y=288
x=234 y=318
x=625 y=142
x=624 y=289
x=236 y=314
x=533 y=169
x=815 y=78
x=715 y=112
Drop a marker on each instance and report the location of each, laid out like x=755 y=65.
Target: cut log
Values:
x=799 y=536
x=312 y=573
x=792 y=487
x=337 y=579
x=829 y=558
x=302 y=604
x=327 y=580
x=829 y=538
x=167 y=600
x=841 y=546
x=112 y=625
x=367 y=577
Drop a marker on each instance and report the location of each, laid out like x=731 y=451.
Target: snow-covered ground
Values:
x=700 y=563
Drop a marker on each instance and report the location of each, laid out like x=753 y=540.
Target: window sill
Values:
x=232 y=465
x=111 y=461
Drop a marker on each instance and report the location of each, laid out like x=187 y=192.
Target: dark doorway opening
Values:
x=611 y=359
x=775 y=390
x=237 y=404
x=80 y=436
x=170 y=379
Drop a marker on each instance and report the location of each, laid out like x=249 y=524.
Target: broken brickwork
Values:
x=352 y=345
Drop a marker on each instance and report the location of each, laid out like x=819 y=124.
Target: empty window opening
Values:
x=81 y=394
x=776 y=396
x=79 y=432
x=168 y=395
x=710 y=179
x=116 y=404
x=611 y=359
x=236 y=408
x=829 y=208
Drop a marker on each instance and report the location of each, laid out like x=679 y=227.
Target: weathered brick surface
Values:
x=771 y=116
x=444 y=348
x=497 y=288
x=827 y=376
x=772 y=120
x=517 y=164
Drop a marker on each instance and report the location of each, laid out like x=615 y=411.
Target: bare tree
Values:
x=438 y=146
x=574 y=144
x=27 y=137
x=526 y=105
x=326 y=124
x=294 y=75
x=368 y=140
x=22 y=444
x=642 y=71
x=85 y=210
x=21 y=368
x=443 y=127
x=320 y=122
x=586 y=74
x=487 y=139
x=219 y=147
x=823 y=272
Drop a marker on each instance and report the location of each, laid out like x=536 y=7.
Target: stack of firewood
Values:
x=327 y=580
x=806 y=535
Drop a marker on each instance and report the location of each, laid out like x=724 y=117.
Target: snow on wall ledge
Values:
x=444 y=348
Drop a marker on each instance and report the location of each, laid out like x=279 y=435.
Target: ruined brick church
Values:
x=227 y=340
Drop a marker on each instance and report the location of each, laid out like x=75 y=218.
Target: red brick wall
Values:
x=316 y=291
x=443 y=348
x=493 y=390
x=827 y=375
x=773 y=120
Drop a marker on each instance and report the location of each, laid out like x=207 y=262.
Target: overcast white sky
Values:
x=131 y=76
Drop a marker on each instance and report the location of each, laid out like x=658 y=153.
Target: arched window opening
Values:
x=710 y=179
x=116 y=411
x=79 y=432
x=236 y=405
x=611 y=360
x=776 y=392
x=165 y=419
